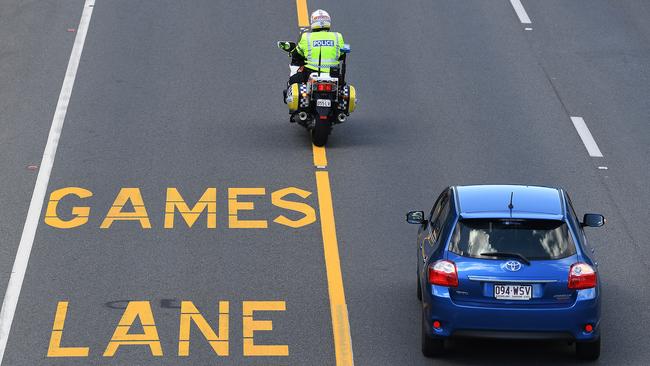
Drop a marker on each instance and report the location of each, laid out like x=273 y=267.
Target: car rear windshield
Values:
x=533 y=239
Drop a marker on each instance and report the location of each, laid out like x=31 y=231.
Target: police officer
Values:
x=319 y=48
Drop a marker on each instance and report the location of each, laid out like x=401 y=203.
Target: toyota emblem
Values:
x=512 y=266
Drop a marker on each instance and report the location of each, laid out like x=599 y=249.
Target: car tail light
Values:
x=589 y=328
x=582 y=276
x=443 y=273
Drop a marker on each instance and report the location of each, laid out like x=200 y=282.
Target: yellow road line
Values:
x=338 y=307
x=303 y=18
x=320 y=157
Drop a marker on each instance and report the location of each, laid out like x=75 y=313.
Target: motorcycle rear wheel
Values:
x=321 y=132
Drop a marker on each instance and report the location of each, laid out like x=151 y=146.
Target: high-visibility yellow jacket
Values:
x=324 y=45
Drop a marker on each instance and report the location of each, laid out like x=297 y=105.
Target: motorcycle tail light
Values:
x=324 y=87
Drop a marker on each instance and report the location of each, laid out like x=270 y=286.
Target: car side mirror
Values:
x=415 y=217
x=593 y=220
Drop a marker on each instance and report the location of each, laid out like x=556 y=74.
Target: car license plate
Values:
x=513 y=292
x=323 y=103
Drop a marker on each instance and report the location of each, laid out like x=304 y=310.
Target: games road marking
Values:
x=129 y=207
x=38 y=196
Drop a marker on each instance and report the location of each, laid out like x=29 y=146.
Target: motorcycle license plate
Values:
x=513 y=292
x=323 y=103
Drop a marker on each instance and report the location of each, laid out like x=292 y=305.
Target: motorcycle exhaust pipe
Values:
x=341 y=117
x=303 y=116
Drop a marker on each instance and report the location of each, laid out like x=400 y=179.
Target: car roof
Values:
x=491 y=201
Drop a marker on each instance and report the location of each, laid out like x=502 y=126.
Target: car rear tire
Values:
x=431 y=347
x=589 y=351
x=419 y=290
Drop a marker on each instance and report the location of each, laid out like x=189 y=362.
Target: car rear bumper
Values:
x=496 y=334
x=458 y=320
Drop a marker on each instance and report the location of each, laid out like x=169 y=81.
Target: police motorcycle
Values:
x=323 y=101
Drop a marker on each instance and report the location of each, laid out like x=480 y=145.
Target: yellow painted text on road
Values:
x=126 y=196
x=235 y=205
x=252 y=325
x=55 y=349
x=140 y=313
x=190 y=314
x=136 y=310
x=278 y=199
x=129 y=208
x=207 y=203
x=80 y=214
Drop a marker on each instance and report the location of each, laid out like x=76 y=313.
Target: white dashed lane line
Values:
x=521 y=12
x=578 y=122
x=587 y=138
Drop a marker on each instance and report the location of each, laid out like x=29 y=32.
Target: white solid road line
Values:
x=586 y=137
x=36 y=205
x=521 y=12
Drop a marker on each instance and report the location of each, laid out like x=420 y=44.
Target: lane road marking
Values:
x=338 y=306
x=303 y=17
x=521 y=12
x=587 y=138
x=320 y=157
x=38 y=196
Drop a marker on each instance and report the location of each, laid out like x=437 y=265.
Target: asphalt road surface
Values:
x=301 y=256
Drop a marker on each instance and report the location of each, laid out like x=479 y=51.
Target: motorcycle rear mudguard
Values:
x=323 y=112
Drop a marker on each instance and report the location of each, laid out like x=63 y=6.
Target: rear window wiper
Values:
x=507 y=255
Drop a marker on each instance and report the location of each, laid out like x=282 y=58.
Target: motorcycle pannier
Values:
x=348 y=99
x=297 y=97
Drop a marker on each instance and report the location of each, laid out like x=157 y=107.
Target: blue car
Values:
x=507 y=262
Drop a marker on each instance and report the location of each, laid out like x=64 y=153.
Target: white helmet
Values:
x=320 y=19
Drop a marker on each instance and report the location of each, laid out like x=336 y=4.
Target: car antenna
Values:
x=510 y=205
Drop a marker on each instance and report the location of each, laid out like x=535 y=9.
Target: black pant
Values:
x=301 y=76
